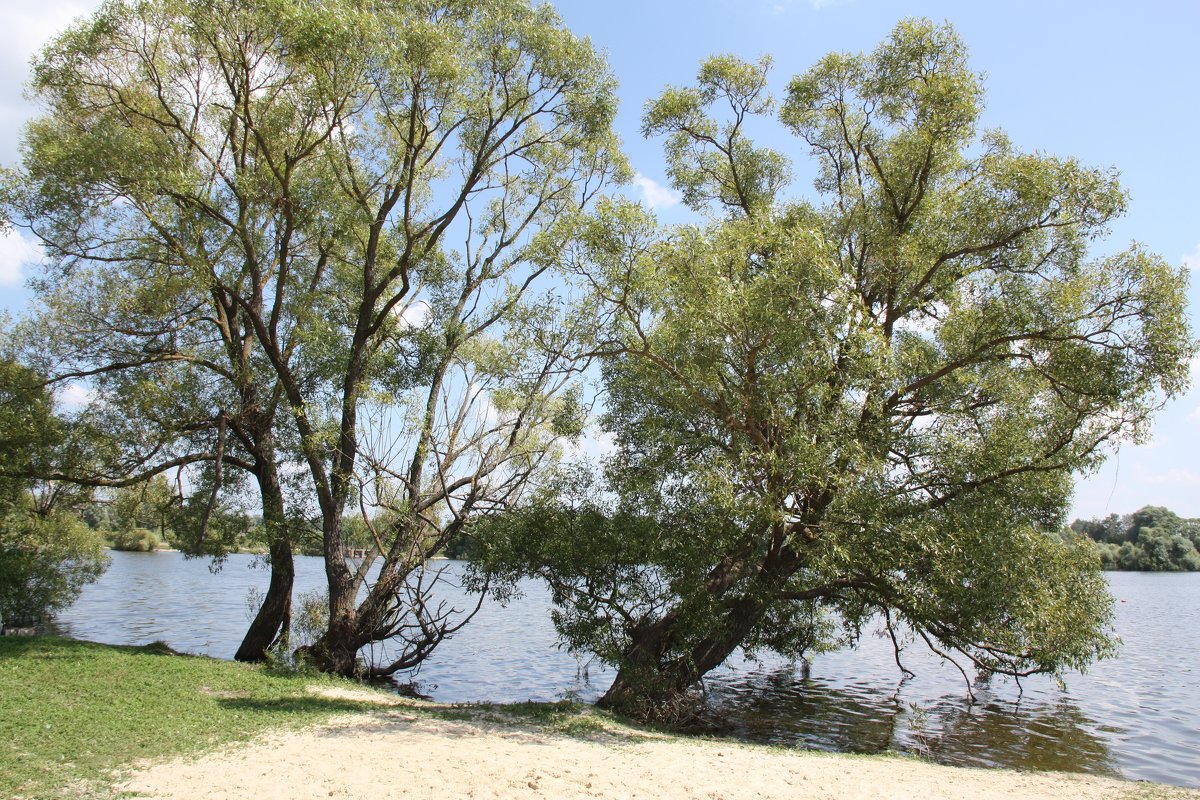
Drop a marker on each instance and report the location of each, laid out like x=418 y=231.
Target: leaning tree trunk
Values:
x=274 y=617
x=653 y=690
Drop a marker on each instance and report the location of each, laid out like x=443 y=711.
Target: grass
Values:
x=74 y=714
x=565 y=718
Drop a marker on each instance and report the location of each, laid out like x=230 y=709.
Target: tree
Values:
x=139 y=515
x=872 y=406
x=172 y=378
x=280 y=189
x=1152 y=538
x=47 y=554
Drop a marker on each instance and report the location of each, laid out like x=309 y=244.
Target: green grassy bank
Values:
x=73 y=713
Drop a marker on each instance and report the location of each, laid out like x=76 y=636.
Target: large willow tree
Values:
x=871 y=405
x=293 y=240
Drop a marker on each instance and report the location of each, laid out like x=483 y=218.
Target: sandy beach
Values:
x=402 y=750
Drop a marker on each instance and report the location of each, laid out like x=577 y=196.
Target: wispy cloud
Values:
x=75 y=396
x=782 y=6
x=1172 y=477
x=1192 y=260
x=16 y=250
x=655 y=194
x=1195 y=415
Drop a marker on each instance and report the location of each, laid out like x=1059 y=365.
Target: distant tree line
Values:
x=153 y=514
x=1151 y=539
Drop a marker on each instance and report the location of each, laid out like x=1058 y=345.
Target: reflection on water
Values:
x=1137 y=716
x=782 y=707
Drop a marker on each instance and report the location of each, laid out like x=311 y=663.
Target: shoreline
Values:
x=102 y=721
x=432 y=750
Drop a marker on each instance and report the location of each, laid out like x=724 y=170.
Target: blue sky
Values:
x=1112 y=83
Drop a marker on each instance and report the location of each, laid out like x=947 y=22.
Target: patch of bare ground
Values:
x=422 y=750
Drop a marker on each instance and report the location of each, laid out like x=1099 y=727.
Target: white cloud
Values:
x=1192 y=260
x=1172 y=477
x=16 y=250
x=414 y=315
x=655 y=194
x=28 y=25
x=75 y=396
x=1195 y=415
x=594 y=445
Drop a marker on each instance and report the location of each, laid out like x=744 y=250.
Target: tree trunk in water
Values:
x=648 y=689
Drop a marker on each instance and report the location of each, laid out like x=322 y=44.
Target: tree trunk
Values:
x=337 y=650
x=648 y=689
x=274 y=617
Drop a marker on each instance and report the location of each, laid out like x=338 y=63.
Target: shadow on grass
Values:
x=564 y=718
x=314 y=705
x=52 y=646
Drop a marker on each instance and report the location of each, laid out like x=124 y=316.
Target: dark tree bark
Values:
x=273 y=620
x=646 y=688
x=274 y=617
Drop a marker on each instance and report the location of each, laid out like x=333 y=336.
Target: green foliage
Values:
x=45 y=560
x=209 y=525
x=147 y=505
x=1152 y=539
x=313 y=234
x=47 y=554
x=29 y=430
x=873 y=406
x=460 y=546
x=133 y=540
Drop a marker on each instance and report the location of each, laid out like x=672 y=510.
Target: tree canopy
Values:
x=867 y=407
x=296 y=242
x=316 y=254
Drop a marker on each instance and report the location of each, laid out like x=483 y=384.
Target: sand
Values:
x=401 y=750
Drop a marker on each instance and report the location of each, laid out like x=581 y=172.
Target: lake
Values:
x=1136 y=716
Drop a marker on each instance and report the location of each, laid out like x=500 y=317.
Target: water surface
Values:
x=1136 y=716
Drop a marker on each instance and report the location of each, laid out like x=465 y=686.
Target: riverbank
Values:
x=424 y=751
x=86 y=720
